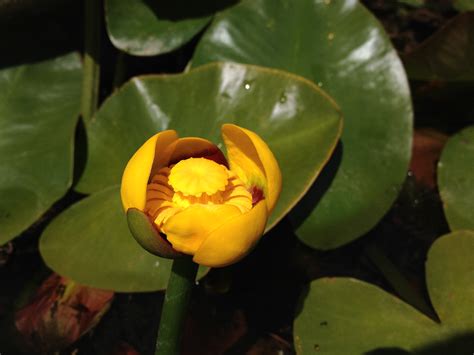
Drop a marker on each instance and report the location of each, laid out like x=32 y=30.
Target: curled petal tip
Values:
x=251 y=159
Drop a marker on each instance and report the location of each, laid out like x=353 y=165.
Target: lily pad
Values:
x=370 y=319
x=299 y=122
x=151 y=27
x=340 y=46
x=456 y=180
x=39 y=108
x=91 y=244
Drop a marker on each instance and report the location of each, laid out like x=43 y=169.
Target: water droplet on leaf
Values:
x=247 y=85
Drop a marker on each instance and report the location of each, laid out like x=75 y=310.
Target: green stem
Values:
x=398 y=281
x=178 y=293
x=90 y=82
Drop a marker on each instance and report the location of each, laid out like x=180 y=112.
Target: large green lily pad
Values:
x=152 y=27
x=456 y=180
x=91 y=243
x=346 y=316
x=299 y=122
x=39 y=108
x=340 y=46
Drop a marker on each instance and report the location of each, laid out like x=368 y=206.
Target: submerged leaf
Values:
x=60 y=313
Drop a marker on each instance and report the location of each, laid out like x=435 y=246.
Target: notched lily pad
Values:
x=456 y=180
x=299 y=122
x=91 y=243
x=347 y=316
x=341 y=47
x=39 y=108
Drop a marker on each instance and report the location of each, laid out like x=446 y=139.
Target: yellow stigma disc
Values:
x=195 y=176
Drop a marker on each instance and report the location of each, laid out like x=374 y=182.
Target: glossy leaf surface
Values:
x=91 y=244
x=456 y=180
x=347 y=316
x=341 y=47
x=150 y=27
x=39 y=108
x=299 y=122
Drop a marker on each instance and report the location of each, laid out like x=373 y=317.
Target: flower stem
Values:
x=178 y=293
x=90 y=81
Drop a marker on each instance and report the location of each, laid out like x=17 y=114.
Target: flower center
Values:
x=195 y=176
x=194 y=181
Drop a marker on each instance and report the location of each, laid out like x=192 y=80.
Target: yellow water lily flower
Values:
x=201 y=203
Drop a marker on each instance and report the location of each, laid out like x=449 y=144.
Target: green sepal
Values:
x=147 y=236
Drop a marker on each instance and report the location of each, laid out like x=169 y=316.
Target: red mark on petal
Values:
x=257 y=194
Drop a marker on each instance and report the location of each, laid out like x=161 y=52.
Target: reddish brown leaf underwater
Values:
x=124 y=349
x=60 y=313
x=427 y=147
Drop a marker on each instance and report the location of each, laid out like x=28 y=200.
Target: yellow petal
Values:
x=187 y=229
x=252 y=160
x=137 y=172
x=234 y=239
x=194 y=147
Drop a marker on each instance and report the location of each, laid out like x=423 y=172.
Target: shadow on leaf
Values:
x=46 y=30
x=183 y=9
x=311 y=199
